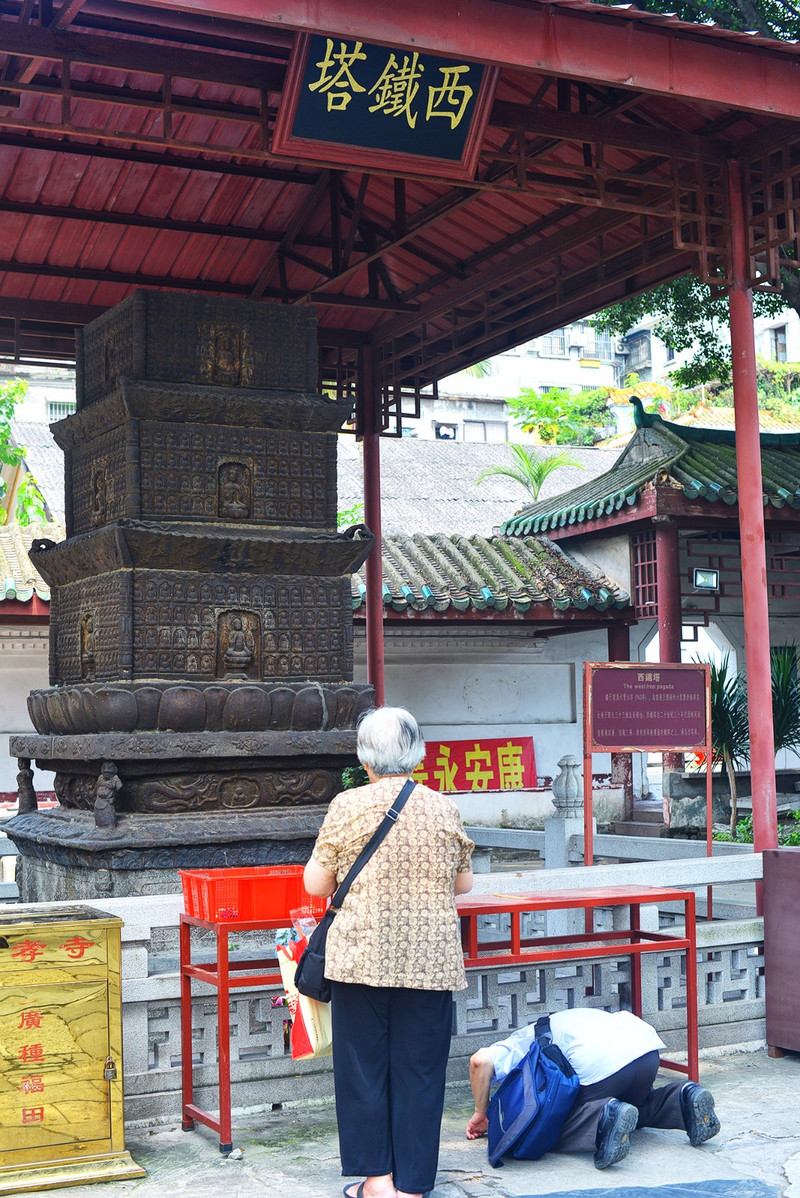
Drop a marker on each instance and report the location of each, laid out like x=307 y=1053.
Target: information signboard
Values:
x=648 y=708
x=634 y=707
x=347 y=101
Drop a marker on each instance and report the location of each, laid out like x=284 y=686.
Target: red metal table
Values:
x=225 y=975
x=633 y=941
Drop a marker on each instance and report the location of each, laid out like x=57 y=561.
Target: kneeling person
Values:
x=616 y=1058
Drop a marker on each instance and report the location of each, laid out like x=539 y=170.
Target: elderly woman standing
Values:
x=394 y=957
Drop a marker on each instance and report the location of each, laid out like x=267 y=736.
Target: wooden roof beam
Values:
x=133 y=219
x=607 y=130
x=593 y=47
x=121 y=153
x=127 y=54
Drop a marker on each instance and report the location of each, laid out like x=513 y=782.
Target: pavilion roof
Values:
x=693 y=462
x=136 y=150
x=19 y=580
x=455 y=574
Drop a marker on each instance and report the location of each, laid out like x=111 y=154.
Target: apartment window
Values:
x=777 y=340
x=445 y=432
x=596 y=344
x=554 y=345
x=639 y=355
x=57 y=409
x=485 y=430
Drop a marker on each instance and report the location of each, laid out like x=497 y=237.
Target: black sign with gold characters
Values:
x=350 y=101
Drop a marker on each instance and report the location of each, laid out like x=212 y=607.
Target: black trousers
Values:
x=634 y=1084
x=390 y=1050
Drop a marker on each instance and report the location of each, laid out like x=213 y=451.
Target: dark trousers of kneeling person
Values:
x=633 y=1084
x=390 y=1050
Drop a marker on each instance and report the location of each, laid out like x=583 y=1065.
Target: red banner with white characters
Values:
x=478 y=764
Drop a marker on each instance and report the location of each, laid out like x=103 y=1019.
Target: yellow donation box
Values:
x=61 y=1120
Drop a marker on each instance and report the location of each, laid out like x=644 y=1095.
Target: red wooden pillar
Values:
x=619 y=649
x=668 y=582
x=370 y=407
x=751 y=526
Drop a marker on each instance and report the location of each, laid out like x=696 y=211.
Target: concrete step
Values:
x=651 y=813
x=637 y=827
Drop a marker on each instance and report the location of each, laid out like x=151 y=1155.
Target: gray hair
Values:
x=389 y=741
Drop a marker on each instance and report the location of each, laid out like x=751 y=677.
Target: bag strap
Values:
x=369 y=848
x=544 y=1035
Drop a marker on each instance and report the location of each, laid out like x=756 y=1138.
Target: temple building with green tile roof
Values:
x=664 y=523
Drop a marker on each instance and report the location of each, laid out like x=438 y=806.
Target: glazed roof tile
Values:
x=45 y=461
x=699 y=462
x=427 y=486
x=18 y=578
x=451 y=572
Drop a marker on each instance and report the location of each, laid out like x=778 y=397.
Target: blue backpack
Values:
x=530 y=1106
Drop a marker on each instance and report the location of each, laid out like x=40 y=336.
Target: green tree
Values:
x=528 y=468
x=561 y=416
x=29 y=504
x=350 y=515
x=771 y=18
x=688 y=317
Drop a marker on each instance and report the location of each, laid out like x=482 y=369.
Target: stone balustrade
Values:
x=730 y=986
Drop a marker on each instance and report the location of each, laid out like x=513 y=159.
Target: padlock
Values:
x=110 y=1071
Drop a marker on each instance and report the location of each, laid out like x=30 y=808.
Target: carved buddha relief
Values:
x=238 y=645
x=88 y=648
x=110 y=361
x=227 y=368
x=226 y=354
x=234 y=491
x=99 y=495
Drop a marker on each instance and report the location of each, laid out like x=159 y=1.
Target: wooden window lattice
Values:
x=645 y=577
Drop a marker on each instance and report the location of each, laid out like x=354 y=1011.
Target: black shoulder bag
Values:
x=310 y=977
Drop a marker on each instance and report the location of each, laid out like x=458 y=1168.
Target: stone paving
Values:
x=293 y=1151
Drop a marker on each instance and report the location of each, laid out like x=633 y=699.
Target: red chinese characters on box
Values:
x=479 y=764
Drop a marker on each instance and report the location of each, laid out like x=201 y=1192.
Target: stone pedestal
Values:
x=201 y=707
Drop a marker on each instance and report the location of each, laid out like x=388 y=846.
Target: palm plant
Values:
x=529 y=468
x=730 y=731
x=785 y=697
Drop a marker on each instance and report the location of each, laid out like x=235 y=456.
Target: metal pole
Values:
x=372 y=519
x=751 y=525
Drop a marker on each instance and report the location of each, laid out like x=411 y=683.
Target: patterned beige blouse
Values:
x=398 y=925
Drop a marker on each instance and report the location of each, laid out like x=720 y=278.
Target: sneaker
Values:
x=699 y=1117
x=617 y=1121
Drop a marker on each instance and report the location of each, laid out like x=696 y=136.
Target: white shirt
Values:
x=596 y=1043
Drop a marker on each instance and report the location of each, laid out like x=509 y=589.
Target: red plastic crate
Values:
x=256 y=892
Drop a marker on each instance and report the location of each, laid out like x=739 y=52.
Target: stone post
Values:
x=558 y=830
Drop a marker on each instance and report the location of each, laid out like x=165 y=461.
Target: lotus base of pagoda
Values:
x=65 y=856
